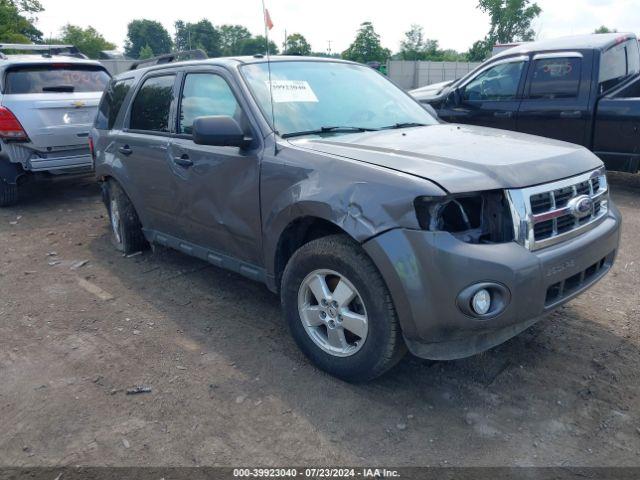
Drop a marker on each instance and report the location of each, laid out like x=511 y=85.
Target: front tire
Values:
x=126 y=230
x=339 y=310
x=8 y=193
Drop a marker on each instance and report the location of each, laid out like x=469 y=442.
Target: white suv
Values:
x=48 y=102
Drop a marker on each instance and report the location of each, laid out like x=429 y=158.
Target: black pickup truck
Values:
x=583 y=89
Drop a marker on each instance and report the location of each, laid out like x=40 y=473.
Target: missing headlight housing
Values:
x=473 y=218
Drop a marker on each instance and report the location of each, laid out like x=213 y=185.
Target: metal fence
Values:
x=410 y=74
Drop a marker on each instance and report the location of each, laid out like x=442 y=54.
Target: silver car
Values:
x=48 y=101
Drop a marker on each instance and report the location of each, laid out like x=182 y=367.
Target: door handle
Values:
x=125 y=150
x=571 y=114
x=503 y=114
x=183 y=161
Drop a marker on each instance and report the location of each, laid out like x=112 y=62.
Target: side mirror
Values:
x=218 y=131
x=455 y=97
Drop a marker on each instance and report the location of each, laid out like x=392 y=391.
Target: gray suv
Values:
x=48 y=101
x=380 y=227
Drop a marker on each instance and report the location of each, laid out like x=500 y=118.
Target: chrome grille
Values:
x=548 y=214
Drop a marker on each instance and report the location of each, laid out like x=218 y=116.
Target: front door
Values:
x=218 y=201
x=491 y=98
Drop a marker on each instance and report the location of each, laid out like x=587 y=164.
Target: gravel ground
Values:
x=80 y=324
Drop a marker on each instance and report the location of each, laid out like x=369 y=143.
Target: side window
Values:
x=111 y=103
x=203 y=95
x=495 y=84
x=556 y=78
x=152 y=105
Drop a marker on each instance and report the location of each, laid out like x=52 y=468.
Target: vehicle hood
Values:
x=431 y=91
x=461 y=158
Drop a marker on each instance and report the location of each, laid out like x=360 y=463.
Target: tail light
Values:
x=10 y=127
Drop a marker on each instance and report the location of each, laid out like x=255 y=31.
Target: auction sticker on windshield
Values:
x=288 y=91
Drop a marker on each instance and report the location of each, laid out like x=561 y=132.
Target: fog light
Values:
x=481 y=302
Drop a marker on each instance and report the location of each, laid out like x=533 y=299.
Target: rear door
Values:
x=142 y=150
x=492 y=97
x=556 y=97
x=55 y=103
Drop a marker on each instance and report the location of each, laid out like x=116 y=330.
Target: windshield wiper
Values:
x=404 y=125
x=337 y=129
x=59 y=88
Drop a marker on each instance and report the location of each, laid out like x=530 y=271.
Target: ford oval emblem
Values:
x=581 y=206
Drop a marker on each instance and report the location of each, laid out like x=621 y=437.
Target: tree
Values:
x=510 y=19
x=202 y=35
x=510 y=22
x=296 y=44
x=143 y=33
x=231 y=38
x=366 y=47
x=412 y=47
x=604 y=29
x=257 y=46
x=17 y=23
x=146 y=52
x=88 y=40
x=479 y=51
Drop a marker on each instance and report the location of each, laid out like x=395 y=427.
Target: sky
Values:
x=455 y=24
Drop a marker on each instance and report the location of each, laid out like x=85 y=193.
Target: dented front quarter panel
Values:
x=362 y=199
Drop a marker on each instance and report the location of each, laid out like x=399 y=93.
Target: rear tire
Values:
x=126 y=230
x=8 y=193
x=356 y=293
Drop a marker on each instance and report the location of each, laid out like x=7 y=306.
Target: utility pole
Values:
x=284 y=45
x=329 y=49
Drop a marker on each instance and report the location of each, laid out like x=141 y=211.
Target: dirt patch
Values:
x=80 y=325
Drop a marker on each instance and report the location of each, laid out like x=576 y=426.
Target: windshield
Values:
x=56 y=78
x=312 y=97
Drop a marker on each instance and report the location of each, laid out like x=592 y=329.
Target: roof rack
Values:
x=197 y=54
x=44 y=50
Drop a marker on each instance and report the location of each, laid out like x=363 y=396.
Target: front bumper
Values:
x=426 y=271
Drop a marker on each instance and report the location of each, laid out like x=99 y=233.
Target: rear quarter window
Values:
x=112 y=102
x=618 y=63
x=55 y=78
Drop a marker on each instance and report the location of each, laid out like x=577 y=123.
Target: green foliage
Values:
x=510 y=19
x=15 y=27
x=202 y=35
x=296 y=44
x=366 y=47
x=413 y=46
x=603 y=29
x=143 y=33
x=88 y=40
x=231 y=38
x=510 y=22
x=27 y=6
x=479 y=51
x=416 y=47
x=257 y=46
x=146 y=52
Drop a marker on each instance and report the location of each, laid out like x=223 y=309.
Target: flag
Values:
x=267 y=19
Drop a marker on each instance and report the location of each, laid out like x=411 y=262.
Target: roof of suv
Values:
x=12 y=60
x=600 y=41
x=231 y=62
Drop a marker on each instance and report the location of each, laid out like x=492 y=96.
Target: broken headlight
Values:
x=473 y=218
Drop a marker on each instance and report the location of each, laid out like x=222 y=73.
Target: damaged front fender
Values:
x=363 y=200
